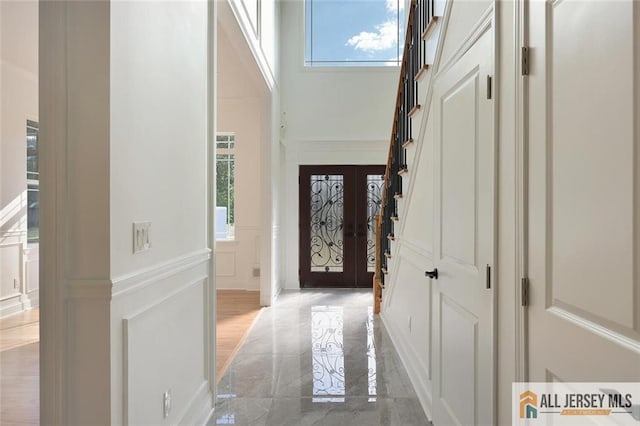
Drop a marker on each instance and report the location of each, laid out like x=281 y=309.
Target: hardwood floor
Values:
x=20 y=369
x=19 y=352
x=237 y=310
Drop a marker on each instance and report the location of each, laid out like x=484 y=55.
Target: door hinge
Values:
x=524 y=57
x=524 y=291
x=488 y=278
x=489 y=81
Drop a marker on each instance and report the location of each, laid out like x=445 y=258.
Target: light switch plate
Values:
x=141 y=238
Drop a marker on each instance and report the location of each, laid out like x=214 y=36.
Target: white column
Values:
x=75 y=219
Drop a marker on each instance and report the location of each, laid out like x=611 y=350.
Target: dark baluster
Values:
x=417 y=41
x=401 y=134
x=382 y=244
x=414 y=57
x=390 y=200
x=390 y=209
x=407 y=120
x=425 y=15
x=423 y=26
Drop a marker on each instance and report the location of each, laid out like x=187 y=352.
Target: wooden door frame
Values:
x=521 y=103
x=304 y=211
x=355 y=273
x=363 y=278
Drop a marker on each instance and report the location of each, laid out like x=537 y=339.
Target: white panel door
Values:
x=584 y=191
x=464 y=239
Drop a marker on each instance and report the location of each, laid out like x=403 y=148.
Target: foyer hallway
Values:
x=318 y=357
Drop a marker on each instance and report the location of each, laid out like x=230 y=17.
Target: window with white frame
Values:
x=225 y=186
x=354 y=32
x=33 y=184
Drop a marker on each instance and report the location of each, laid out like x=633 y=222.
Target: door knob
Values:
x=432 y=274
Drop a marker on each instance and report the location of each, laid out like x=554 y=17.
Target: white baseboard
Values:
x=19 y=303
x=200 y=409
x=237 y=289
x=34 y=298
x=410 y=361
x=10 y=307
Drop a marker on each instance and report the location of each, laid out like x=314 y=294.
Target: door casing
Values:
x=354 y=241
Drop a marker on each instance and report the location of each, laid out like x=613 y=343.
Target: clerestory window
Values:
x=342 y=33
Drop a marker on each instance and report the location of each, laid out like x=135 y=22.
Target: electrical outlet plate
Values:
x=141 y=240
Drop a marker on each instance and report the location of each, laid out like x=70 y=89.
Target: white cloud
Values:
x=385 y=37
x=393 y=5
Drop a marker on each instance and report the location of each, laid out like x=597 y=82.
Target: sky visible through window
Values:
x=354 y=32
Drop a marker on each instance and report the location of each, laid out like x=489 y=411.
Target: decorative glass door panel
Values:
x=338 y=205
x=327 y=223
x=374 y=199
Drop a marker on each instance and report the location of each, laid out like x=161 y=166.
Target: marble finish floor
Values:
x=318 y=357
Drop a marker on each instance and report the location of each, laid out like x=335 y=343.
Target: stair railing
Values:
x=413 y=65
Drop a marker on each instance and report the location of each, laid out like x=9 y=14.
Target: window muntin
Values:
x=33 y=184
x=225 y=186
x=354 y=32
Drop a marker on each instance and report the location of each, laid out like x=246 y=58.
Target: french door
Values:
x=338 y=205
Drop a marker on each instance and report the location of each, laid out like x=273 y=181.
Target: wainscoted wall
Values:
x=240 y=256
x=407 y=315
x=19 y=103
x=155 y=315
x=126 y=111
x=408 y=298
x=408 y=301
x=11 y=278
x=238 y=262
x=248 y=106
x=162 y=301
x=252 y=28
x=32 y=274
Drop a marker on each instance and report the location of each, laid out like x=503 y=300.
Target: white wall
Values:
x=158 y=174
x=241 y=98
x=19 y=102
x=236 y=259
x=124 y=110
x=408 y=294
x=248 y=103
x=257 y=21
x=328 y=116
x=157 y=136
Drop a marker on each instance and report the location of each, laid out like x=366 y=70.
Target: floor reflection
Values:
x=371 y=355
x=327 y=348
x=349 y=374
x=327 y=342
x=226 y=419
